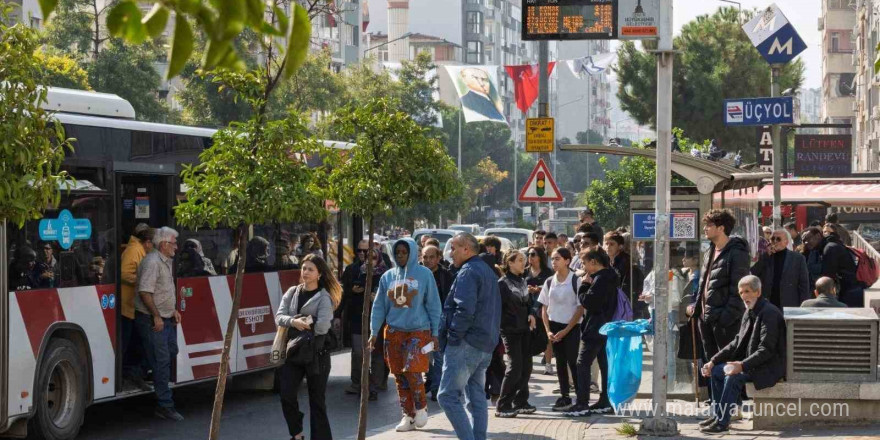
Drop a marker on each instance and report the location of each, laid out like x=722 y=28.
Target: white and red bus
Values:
x=59 y=334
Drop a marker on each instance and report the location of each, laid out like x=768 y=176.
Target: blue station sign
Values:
x=760 y=111
x=65 y=229
x=774 y=36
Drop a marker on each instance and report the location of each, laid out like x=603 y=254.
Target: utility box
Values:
x=831 y=344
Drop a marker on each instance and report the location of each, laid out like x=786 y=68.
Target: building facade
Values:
x=866 y=126
x=588 y=100
x=838 y=68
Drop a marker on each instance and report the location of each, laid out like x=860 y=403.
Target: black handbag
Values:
x=300 y=343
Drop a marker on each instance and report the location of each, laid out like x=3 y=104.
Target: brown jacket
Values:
x=131 y=259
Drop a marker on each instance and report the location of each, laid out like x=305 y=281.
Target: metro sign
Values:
x=774 y=37
x=735 y=111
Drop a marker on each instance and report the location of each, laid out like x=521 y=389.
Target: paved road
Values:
x=245 y=414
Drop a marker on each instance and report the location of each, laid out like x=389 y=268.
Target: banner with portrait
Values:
x=478 y=91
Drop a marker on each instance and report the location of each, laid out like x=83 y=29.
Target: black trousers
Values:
x=515 y=386
x=316 y=379
x=588 y=352
x=495 y=372
x=566 y=353
x=715 y=337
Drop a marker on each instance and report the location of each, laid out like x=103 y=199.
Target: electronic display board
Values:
x=569 y=20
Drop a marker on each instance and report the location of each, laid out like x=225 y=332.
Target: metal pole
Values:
x=460 y=111
x=543 y=96
x=659 y=423
x=775 y=73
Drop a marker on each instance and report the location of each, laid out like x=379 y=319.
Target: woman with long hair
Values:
x=409 y=303
x=309 y=307
x=537 y=273
x=517 y=320
x=561 y=313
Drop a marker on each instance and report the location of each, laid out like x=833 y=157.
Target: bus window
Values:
x=206 y=252
x=37 y=262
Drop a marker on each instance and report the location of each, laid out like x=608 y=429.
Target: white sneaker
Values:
x=407 y=424
x=421 y=418
x=548 y=369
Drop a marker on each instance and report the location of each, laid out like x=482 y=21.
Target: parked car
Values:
x=473 y=229
x=518 y=236
x=506 y=245
x=442 y=235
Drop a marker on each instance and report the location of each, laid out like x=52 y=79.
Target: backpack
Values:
x=574 y=283
x=624 y=311
x=867 y=272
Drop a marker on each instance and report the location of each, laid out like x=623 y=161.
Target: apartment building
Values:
x=837 y=23
x=866 y=126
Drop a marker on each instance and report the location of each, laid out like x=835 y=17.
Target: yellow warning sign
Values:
x=540 y=135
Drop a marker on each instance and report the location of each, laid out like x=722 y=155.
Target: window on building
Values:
x=36 y=23
x=835 y=41
x=475 y=22
x=474 y=52
x=839 y=4
x=840 y=41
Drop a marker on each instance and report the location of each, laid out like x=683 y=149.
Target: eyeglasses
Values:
x=533 y=254
x=776 y=239
x=361 y=251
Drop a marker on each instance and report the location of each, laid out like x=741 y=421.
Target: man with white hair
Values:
x=156 y=316
x=756 y=354
x=783 y=272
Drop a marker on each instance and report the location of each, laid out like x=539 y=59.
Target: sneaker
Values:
x=548 y=370
x=525 y=409
x=421 y=418
x=353 y=389
x=506 y=413
x=578 y=410
x=168 y=414
x=563 y=403
x=707 y=422
x=557 y=390
x=374 y=396
x=601 y=407
x=715 y=428
x=406 y=424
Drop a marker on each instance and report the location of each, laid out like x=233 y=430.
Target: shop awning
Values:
x=826 y=193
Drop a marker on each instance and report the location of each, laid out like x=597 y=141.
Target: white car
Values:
x=473 y=229
x=506 y=245
x=519 y=236
x=442 y=235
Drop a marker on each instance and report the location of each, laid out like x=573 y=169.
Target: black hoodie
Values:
x=599 y=300
x=720 y=285
x=516 y=304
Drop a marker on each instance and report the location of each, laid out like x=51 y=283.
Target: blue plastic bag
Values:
x=624 y=349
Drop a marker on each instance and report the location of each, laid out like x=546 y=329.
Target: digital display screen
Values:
x=569 y=20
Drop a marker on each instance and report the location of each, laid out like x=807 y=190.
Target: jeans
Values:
x=435 y=371
x=464 y=376
x=566 y=352
x=316 y=381
x=588 y=352
x=515 y=386
x=377 y=367
x=160 y=348
x=726 y=393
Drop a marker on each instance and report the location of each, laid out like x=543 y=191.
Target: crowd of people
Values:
x=464 y=333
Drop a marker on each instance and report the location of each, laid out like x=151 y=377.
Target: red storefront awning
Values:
x=824 y=193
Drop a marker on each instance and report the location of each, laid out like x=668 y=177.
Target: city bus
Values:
x=59 y=328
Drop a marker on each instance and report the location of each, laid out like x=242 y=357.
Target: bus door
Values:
x=140 y=198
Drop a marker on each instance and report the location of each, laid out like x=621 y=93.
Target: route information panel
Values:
x=569 y=20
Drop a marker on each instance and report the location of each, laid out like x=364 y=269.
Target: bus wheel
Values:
x=60 y=396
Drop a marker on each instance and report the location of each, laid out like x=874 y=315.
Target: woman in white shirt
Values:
x=561 y=313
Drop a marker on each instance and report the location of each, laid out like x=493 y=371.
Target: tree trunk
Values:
x=365 y=330
x=230 y=331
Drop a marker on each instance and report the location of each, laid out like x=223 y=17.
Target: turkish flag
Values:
x=525 y=83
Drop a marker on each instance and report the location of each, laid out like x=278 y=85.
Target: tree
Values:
x=717 y=62
x=393 y=165
x=255 y=172
x=34 y=144
x=62 y=71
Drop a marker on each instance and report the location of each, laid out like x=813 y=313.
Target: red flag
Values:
x=525 y=83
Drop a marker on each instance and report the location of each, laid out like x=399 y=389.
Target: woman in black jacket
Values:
x=517 y=320
x=537 y=272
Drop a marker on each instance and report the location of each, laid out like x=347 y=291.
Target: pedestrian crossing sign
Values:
x=540 y=186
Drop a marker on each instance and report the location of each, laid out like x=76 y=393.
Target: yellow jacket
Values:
x=131 y=259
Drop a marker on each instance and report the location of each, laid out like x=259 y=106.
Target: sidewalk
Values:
x=547 y=425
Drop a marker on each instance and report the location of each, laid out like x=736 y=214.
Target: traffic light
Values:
x=541 y=183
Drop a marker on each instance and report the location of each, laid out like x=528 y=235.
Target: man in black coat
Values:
x=783 y=273
x=829 y=257
x=756 y=355
x=718 y=306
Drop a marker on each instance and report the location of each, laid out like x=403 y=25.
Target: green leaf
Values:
x=181 y=47
x=283 y=21
x=214 y=52
x=877 y=60
x=124 y=21
x=156 y=20
x=47 y=7
x=256 y=9
x=297 y=40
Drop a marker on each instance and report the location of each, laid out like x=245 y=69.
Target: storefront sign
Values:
x=818 y=155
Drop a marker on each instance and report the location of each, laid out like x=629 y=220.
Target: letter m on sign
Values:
x=782 y=46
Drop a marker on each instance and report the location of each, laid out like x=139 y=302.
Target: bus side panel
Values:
x=205 y=315
x=32 y=312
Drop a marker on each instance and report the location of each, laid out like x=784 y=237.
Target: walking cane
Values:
x=694 y=348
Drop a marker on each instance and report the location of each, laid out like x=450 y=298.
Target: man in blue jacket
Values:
x=469 y=332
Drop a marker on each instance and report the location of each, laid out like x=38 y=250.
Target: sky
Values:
x=440 y=18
